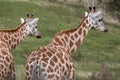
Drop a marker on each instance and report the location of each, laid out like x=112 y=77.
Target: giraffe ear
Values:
x=97 y=14
x=34 y=21
x=22 y=20
x=86 y=14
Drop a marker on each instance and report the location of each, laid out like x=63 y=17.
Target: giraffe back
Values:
x=49 y=63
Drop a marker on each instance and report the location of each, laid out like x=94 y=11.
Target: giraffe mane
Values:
x=65 y=31
x=72 y=30
x=13 y=30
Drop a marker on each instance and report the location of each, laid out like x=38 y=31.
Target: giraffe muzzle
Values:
x=38 y=36
x=106 y=30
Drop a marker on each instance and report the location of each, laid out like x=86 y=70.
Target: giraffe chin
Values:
x=38 y=36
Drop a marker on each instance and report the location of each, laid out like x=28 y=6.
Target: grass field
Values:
x=98 y=47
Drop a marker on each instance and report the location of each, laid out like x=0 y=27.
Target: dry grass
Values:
x=105 y=73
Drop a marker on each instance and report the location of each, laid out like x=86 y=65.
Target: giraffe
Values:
x=9 y=40
x=53 y=61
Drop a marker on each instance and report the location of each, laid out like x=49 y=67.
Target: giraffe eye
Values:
x=100 y=19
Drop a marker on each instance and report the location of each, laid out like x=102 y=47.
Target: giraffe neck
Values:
x=11 y=38
x=72 y=39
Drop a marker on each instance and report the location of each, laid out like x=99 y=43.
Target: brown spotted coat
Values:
x=53 y=62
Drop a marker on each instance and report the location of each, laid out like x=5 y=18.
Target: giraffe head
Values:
x=95 y=20
x=32 y=25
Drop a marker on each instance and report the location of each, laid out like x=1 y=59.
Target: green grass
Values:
x=97 y=48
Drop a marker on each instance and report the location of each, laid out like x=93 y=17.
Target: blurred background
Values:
x=98 y=58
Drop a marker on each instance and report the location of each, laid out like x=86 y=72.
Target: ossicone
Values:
x=30 y=15
x=92 y=9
